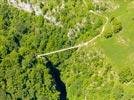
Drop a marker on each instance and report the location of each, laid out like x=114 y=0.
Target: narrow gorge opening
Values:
x=60 y=86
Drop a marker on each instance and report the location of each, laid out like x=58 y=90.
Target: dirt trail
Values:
x=29 y=8
x=83 y=44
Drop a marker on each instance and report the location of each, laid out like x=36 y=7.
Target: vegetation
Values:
x=102 y=70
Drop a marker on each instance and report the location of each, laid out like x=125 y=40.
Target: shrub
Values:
x=117 y=25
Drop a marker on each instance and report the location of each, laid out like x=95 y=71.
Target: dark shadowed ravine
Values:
x=60 y=86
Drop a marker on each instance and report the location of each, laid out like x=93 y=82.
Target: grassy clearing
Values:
x=120 y=47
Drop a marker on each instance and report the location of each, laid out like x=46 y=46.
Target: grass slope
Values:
x=120 y=48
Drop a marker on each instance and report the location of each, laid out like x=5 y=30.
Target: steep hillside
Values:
x=105 y=71
x=95 y=35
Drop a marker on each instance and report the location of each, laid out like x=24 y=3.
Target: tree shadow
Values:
x=60 y=86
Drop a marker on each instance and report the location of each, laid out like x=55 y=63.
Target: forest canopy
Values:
x=85 y=73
